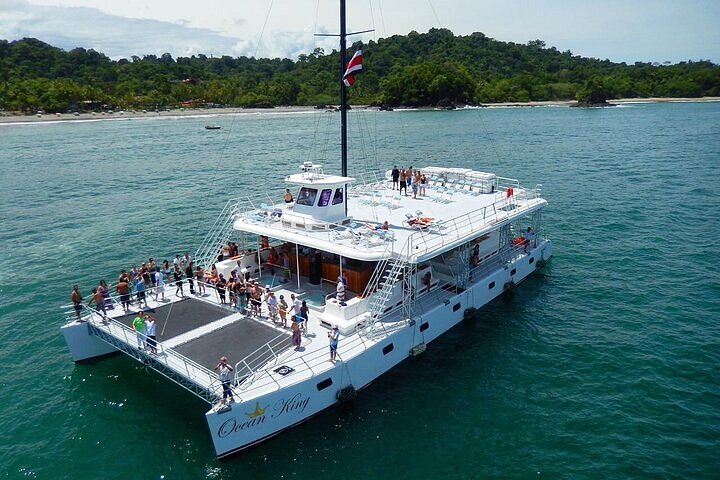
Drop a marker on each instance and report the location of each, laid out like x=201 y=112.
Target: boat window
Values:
x=388 y=348
x=307 y=196
x=338 y=197
x=324 y=384
x=325 y=197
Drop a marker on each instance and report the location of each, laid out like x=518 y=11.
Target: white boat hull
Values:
x=250 y=422
x=84 y=345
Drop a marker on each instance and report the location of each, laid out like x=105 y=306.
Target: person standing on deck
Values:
x=395 y=177
x=305 y=315
x=333 y=337
x=296 y=305
x=200 y=279
x=189 y=275
x=123 y=289
x=177 y=276
x=221 y=285
x=150 y=333
x=295 y=327
x=103 y=289
x=272 y=304
x=225 y=370
x=76 y=300
x=528 y=238
x=186 y=261
x=340 y=291
x=159 y=284
x=140 y=291
x=285 y=262
x=138 y=324
x=99 y=301
x=283 y=307
x=403 y=185
x=166 y=271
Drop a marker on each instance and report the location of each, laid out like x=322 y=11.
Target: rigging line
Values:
x=435 y=14
x=262 y=32
x=315 y=24
x=372 y=18
x=369 y=147
x=382 y=18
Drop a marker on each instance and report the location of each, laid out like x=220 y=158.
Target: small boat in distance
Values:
x=212 y=127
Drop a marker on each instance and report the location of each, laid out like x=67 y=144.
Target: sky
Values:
x=618 y=30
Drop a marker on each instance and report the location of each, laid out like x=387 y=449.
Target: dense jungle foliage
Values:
x=412 y=70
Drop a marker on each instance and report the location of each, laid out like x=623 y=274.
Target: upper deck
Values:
x=457 y=205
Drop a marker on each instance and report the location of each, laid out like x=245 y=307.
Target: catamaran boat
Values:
x=467 y=238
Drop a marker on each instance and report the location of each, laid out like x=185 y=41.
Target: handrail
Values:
x=165 y=354
x=455 y=228
x=310 y=360
x=148 y=291
x=255 y=357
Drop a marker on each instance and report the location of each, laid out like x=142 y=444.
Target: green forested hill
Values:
x=414 y=70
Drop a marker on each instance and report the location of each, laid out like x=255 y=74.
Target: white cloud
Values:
x=642 y=30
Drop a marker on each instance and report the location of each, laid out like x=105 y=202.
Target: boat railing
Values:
x=503 y=183
x=311 y=361
x=448 y=231
x=266 y=354
x=177 y=367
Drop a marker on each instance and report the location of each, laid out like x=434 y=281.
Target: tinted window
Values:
x=324 y=384
x=307 y=196
x=325 y=197
x=338 y=197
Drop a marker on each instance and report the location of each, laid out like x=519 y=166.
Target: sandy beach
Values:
x=10 y=117
x=13 y=117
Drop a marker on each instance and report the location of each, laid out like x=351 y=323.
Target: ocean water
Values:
x=605 y=364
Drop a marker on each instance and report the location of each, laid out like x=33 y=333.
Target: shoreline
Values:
x=14 y=118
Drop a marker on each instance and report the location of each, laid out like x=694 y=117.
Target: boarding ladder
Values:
x=386 y=276
x=217 y=236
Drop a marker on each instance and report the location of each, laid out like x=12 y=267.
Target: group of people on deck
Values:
x=133 y=285
x=402 y=178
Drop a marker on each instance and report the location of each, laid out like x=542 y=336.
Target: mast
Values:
x=343 y=100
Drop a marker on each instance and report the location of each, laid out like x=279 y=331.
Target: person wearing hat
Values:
x=224 y=373
x=272 y=304
x=333 y=337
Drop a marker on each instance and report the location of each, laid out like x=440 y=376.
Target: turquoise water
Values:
x=603 y=365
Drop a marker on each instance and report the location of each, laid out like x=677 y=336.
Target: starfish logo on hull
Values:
x=258 y=411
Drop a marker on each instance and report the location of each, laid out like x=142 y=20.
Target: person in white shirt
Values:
x=159 y=284
x=150 y=333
